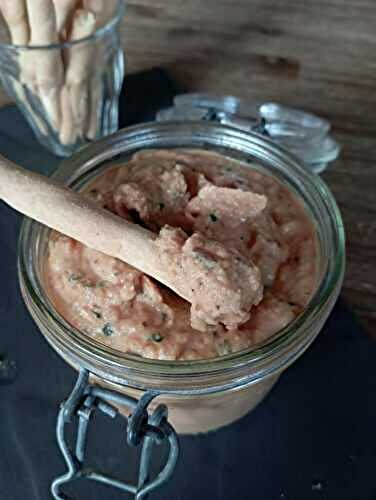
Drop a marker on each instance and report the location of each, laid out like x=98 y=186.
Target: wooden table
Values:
x=318 y=55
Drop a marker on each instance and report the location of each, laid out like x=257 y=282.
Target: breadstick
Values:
x=80 y=60
x=68 y=132
x=31 y=115
x=48 y=63
x=96 y=104
x=64 y=10
x=81 y=218
x=15 y=15
x=103 y=10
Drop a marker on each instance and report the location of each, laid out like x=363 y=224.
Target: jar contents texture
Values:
x=227 y=220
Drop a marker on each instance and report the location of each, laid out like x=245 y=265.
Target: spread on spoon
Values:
x=239 y=242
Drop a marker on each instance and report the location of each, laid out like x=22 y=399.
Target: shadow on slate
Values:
x=313 y=438
x=143 y=95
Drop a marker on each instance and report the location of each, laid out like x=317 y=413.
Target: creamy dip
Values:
x=246 y=245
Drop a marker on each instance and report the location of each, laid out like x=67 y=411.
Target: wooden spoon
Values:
x=74 y=215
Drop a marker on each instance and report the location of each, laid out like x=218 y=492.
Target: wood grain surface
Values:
x=318 y=54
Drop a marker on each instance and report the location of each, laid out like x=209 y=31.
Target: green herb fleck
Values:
x=213 y=217
x=97 y=314
x=161 y=206
x=156 y=337
x=206 y=262
x=89 y=284
x=75 y=277
x=101 y=284
x=108 y=330
x=228 y=168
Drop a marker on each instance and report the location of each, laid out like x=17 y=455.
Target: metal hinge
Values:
x=143 y=429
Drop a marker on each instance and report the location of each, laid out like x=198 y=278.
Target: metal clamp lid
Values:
x=306 y=135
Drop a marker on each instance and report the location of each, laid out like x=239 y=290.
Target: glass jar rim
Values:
x=100 y=32
x=279 y=350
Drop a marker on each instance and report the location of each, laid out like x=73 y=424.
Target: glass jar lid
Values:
x=304 y=134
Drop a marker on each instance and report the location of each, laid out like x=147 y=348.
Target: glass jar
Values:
x=68 y=92
x=206 y=394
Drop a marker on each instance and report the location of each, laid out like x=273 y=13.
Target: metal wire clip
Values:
x=142 y=429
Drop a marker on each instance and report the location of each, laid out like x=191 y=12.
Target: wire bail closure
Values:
x=144 y=430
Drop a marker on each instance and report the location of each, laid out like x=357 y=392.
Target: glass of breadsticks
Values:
x=62 y=63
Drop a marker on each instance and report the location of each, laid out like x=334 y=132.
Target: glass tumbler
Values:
x=68 y=92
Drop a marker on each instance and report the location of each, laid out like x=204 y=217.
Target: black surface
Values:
x=143 y=95
x=313 y=438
